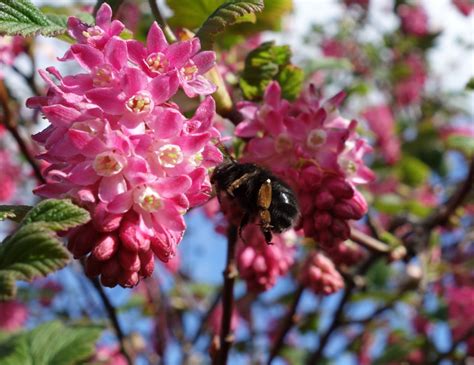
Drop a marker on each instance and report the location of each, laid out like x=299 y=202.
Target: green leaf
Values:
x=50 y=343
x=58 y=215
x=291 y=80
x=231 y=12
x=378 y=274
x=266 y=63
x=32 y=251
x=21 y=17
x=470 y=84
x=13 y=212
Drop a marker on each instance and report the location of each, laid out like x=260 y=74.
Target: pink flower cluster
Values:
x=320 y=275
x=261 y=264
x=317 y=152
x=13 y=315
x=9 y=175
x=10 y=48
x=382 y=123
x=119 y=147
x=414 y=19
x=409 y=87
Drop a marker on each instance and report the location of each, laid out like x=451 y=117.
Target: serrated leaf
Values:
x=21 y=17
x=7 y=286
x=264 y=64
x=291 y=80
x=32 y=251
x=13 y=212
x=58 y=215
x=50 y=343
x=229 y=13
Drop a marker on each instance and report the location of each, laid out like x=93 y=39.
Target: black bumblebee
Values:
x=261 y=196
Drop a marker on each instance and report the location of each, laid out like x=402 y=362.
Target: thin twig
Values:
x=112 y=314
x=287 y=323
x=369 y=242
x=11 y=126
x=442 y=215
x=170 y=37
x=230 y=273
x=206 y=316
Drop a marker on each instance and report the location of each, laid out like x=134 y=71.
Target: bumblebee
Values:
x=262 y=197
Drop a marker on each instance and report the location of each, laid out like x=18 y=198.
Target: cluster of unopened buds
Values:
x=317 y=152
x=119 y=147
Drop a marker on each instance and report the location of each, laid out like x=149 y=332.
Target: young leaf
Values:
x=50 y=343
x=32 y=251
x=225 y=15
x=13 y=212
x=58 y=215
x=291 y=80
x=21 y=17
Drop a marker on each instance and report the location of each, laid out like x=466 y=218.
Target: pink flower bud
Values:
x=111 y=268
x=344 y=211
x=324 y=200
x=339 y=188
x=129 y=260
x=93 y=266
x=128 y=279
x=322 y=220
x=82 y=240
x=106 y=247
x=147 y=262
x=341 y=229
x=108 y=281
x=104 y=221
x=359 y=205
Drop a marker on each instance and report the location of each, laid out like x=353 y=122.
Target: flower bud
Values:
x=129 y=260
x=104 y=221
x=106 y=247
x=324 y=200
x=339 y=188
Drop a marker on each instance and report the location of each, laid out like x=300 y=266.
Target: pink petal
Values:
x=136 y=51
x=169 y=217
x=108 y=99
x=163 y=87
x=111 y=186
x=104 y=16
x=205 y=113
x=205 y=61
x=199 y=86
x=60 y=115
x=168 y=123
x=193 y=143
x=88 y=57
x=155 y=40
x=116 y=53
x=179 y=53
x=122 y=203
x=135 y=80
x=83 y=174
x=173 y=185
x=247 y=129
x=272 y=94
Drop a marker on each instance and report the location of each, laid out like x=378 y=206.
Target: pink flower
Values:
x=13 y=315
x=464 y=6
x=361 y=3
x=381 y=122
x=10 y=48
x=109 y=355
x=320 y=275
x=158 y=57
x=460 y=303
x=119 y=147
x=409 y=88
x=261 y=264
x=414 y=19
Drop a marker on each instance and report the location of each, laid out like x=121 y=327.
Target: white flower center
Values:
x=148 y=199
x=103 y=76
x=140 y=103
x=283 y=143
x=108 y=163
x=169 y=155
x=189 y=70
x=316 y=138
x=157 y=62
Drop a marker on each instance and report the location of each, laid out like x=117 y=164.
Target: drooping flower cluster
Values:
x=460 y=304
x=466 y=7
x=410 y=85
x=310 y=146
x=382 y=123
x=261 y=264
x=118 y=146
x=10 y=48
x=320 y=275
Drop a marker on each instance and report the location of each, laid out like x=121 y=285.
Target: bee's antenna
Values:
x=224 y=151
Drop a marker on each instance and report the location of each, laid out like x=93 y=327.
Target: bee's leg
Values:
x=264 y=202
x=245 y=220
x=236 y=184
